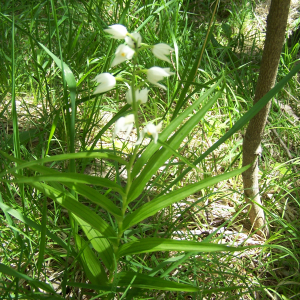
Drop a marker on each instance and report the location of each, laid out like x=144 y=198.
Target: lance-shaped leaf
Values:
x=174 y=125
x=152 y=207
x=96 y=198
x=87 y=155
x=69 y=78
x=74 y=178
x=241 y=122
x=148 y=245
x=92 y=267
x=19 y=216
x=35 y=283
x=147 y=282
x=78 y=209
x=82 y=189
x=99 y=242
x=160 y=157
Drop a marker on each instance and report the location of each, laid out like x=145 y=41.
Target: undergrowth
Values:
x=37 y=237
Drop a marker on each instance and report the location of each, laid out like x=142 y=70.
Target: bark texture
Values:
x=276 y=27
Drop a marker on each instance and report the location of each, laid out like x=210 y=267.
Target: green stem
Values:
x=133 y=157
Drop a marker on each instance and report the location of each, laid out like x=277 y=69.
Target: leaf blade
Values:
x=161 y=202
x=94 y=270
x=157 y=160
x=78 y=209
x=100 y=244
x=148 y=245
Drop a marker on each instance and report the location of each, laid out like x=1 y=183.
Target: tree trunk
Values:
x=276 y=26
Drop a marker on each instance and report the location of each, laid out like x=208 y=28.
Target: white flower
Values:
x=161 y=50
x=123 y=53
x=135 y=42
x=140 y=96
x=124 y=124
x=117 y=31
x=156 y=74
x=107 y=82
x=151 y=130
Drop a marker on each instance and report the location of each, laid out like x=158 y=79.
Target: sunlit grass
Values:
x=41 y=98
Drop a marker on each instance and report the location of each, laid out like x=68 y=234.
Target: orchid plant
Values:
x=136 y=95
x=109 y=241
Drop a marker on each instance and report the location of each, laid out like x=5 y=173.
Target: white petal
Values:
x=107 y=82
x=160 y=85
x=118 y=127
x=159 y=126
x=154 y=131
x=117 y=60
x=123 y=53
x=117 y=31
x=104 y=77
x=167 y=71
x=134 y=44
x=156 y=74
x=161 y=50
x=142 y=95
x=129 y=119
x=150 y=129
x=141 y=137
x=155 y=137
x=129 y=96
x=129 y=128
x=124 y=124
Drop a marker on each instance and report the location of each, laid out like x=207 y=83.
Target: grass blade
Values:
x=241 y=122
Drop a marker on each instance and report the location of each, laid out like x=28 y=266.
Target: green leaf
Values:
x=78 y=209
x=99 y=242
x=177 y=154
x=92 y=267
x=74 y=178
x=152 y=207
x=71 y=82
x=148 y=245
x=174 y=125
x=241 y=122
x=160 y=157
x=37 y=284
x=96 y=198
x=174 y=260
x=156 y=12
x=82 y=189
x=87 y=155
x=147 y=282
x=19 y=216
x=119 y=114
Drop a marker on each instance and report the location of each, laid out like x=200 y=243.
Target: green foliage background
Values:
x=44 y=251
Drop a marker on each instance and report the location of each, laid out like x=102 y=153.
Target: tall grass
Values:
x=48 y=108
